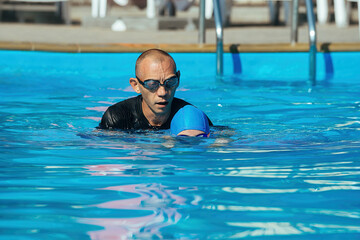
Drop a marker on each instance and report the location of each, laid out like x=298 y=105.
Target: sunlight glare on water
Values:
x=282 y=162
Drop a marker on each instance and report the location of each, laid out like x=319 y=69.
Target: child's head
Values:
x=190 y=121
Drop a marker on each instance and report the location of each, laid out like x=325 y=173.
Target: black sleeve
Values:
x=115 y=118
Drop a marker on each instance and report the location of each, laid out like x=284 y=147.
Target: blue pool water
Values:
x=285 y=164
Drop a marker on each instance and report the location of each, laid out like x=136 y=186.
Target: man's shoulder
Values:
x=179 y=102
x=121 y=115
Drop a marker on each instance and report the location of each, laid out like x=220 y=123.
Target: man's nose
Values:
x=161 y=91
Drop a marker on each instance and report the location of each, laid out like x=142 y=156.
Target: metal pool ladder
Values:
x=312 y=35
x=219 y=38
x=219 y=33
x=294 y=34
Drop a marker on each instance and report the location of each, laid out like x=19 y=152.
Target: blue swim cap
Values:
x=189 y=118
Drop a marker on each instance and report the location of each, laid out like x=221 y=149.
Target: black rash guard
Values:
x=128 y=114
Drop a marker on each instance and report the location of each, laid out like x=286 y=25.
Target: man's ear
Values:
x=135 y=85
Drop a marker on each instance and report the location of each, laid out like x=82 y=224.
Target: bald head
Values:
x=154 y=55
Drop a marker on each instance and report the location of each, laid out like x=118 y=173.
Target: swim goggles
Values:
x=153 y=85
x=199 y=135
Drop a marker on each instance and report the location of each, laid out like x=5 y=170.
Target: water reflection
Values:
x=125 y=170
x=287 y=228
x=316 y=170
x=152 y=207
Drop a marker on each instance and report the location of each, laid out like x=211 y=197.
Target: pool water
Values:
x=282 y=163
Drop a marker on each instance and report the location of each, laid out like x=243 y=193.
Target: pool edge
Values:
x=128 y=47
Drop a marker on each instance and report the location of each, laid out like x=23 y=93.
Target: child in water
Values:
x=190 y=121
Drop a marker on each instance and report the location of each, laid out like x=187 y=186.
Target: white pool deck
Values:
x=249 y=31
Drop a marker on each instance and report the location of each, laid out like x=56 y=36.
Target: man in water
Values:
x=156 y=80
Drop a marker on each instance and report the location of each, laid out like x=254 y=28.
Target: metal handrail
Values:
x=312 y=39
x=294 y=34
x=202 y=22
x=219 y=38
x=294 y=21
x=219 y=33
x=312 y=35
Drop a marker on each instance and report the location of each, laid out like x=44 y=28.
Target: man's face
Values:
x=157 y=101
